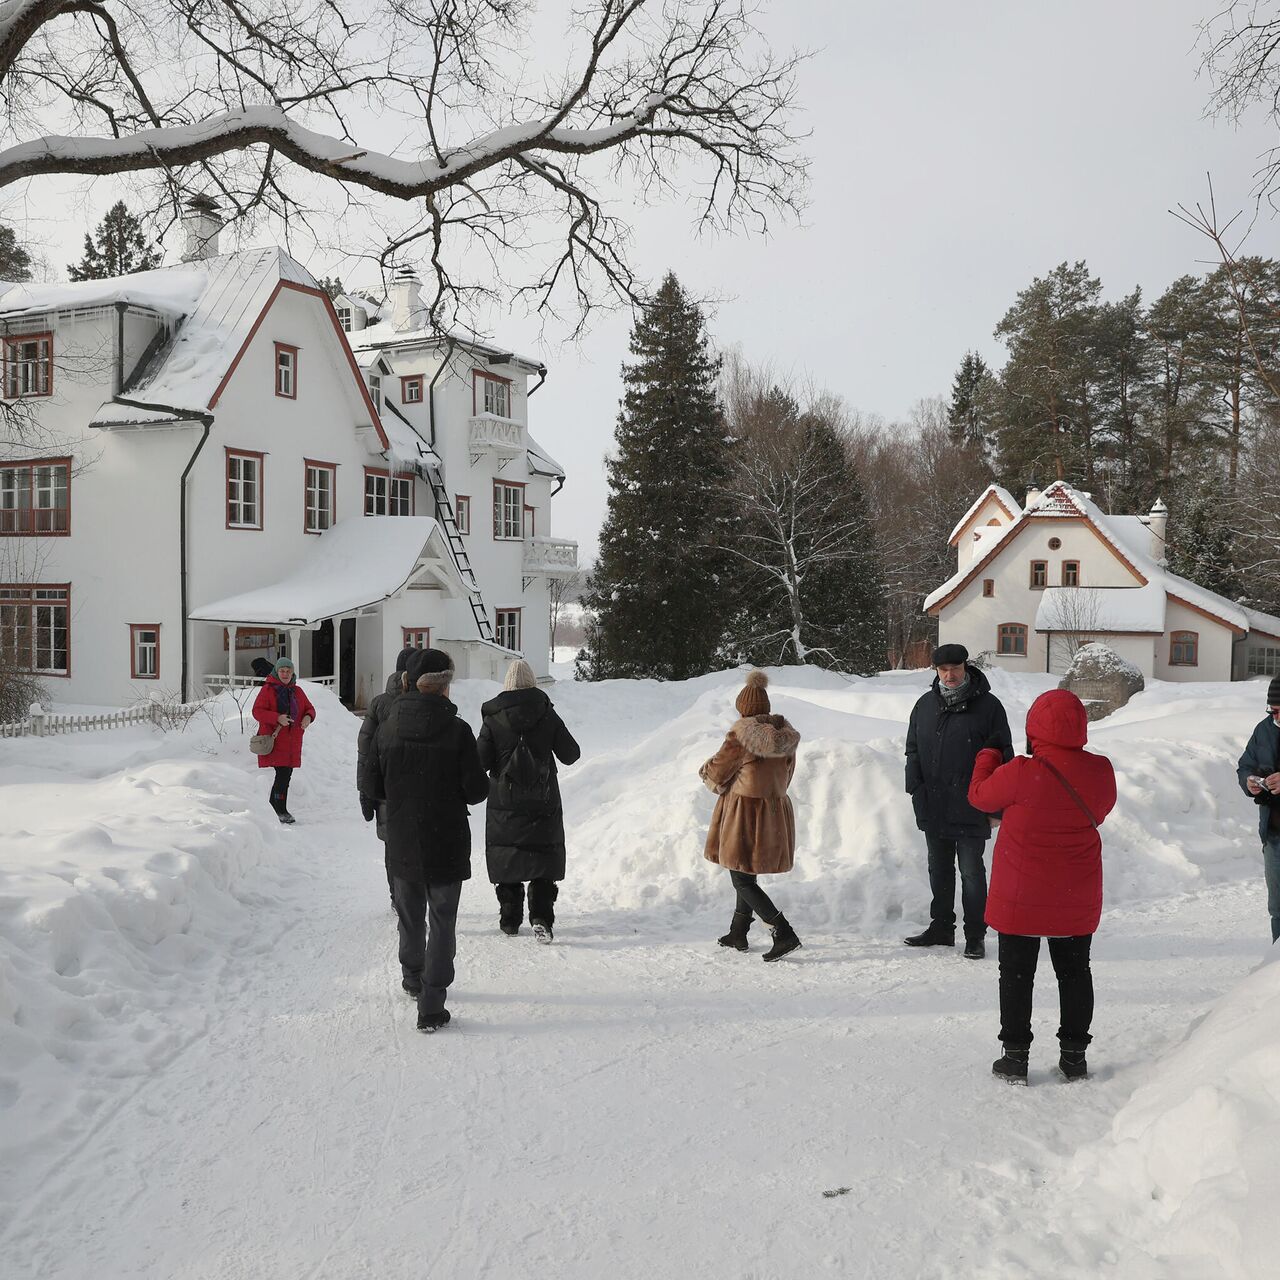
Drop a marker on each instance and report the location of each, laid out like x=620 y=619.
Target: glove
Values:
x=368 y=807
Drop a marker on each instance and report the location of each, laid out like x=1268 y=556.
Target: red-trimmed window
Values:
x=1184 y=649
x=144 y=651
x=1039 y=574
x=35 y=628
x=411 y=389
x=506 y=628
x=988 y=587
x=35 y=497
x=462 y=512
x=1012 y=640
x=286 y=371
x=415 y=637
x=508 y=511
x=375 y=390
x=244 y=489
x=387 y=494
x=1071 y=573
x=321 y=485
x=28 y=365
x=490 y=394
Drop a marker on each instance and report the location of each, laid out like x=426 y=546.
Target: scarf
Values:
x=287 y=699
x=952 y=696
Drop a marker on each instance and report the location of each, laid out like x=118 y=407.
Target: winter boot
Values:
x=975 y=949
x=1072 y=1066
x=936 y=935
x=737 y=935
x=286 y=817
x=1012 y=1067
x=542 y=930
x=784 y=940
x=510 y=919
x=433 y=1021
x=412 y=985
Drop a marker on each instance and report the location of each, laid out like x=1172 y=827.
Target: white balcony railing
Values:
x=550 y=557
x=500 y=436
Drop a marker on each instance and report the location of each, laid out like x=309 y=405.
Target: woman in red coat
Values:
x=283 y=709
x=1046 y=873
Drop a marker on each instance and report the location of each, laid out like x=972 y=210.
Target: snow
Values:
x=1000 y=494
x=1094 y=661
x=358 y=562
x=207 y=1068
x=1089 y=609
x=172 y=291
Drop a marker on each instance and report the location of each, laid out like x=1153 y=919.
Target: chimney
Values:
x=406 y=299
x=1158 y=523
x=1033 y=496
x=202 y=224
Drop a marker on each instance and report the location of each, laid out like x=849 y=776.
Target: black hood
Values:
x=524 y=708
x=420 y=717
x=978 y=684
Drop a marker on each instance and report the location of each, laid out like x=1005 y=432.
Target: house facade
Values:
x=1036 y=579
x=201 y=471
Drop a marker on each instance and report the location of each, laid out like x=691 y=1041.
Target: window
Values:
x=321 y=485
x=375 y=390
x=506 y=628
x=35 y=497
x=244 y=490
x=1071 y=573
x=1264 y=661
x=1012 y=640
x=988 y=587
x=386 y=494
x=344 y=317
x=508 y=510
x=462 y=512
x=1184 y=649
x=1039 y=574
x=286 y=371
x=530 y=522
x=144 y=651
x=1055 y=544
x=490 y=394
x=415 y=637
x=35 y=628
x=411 y=389
x=28 y=365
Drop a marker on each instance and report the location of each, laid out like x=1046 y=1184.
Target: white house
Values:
x=1033 y=580
x=204 y=473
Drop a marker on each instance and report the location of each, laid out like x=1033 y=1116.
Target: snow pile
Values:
x=1098 y=661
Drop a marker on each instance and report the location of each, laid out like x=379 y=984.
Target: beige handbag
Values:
x=263 y=744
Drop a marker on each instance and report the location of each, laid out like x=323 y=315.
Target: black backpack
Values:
x=526 y=779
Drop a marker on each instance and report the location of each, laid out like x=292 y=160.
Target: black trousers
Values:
x=944 y=854
x=542 y=900
x=280 y=788
x=428 y=916
x=1070 y=956
x=751 y=897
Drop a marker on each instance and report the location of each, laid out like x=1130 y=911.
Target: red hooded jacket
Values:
x=287 y=752
x=1046 y=871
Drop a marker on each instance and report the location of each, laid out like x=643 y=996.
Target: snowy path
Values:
x=629 y=1102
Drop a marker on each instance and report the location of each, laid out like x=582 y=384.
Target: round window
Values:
x=1054 y=543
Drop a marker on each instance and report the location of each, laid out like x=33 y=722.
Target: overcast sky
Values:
x=958 y=150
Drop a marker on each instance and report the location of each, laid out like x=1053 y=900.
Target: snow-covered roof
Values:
x=172 y=291
x=405 y=445
x=541 y=463
x=384 y=334
x=358 y=563
x=1000 y=494
x=1103 y=609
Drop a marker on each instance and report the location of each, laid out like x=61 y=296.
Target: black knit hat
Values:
x=402 y=662
x=948 y=655
x=432 y=668
x=1273 y=692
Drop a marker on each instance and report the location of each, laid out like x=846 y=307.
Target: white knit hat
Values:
x=519 y=676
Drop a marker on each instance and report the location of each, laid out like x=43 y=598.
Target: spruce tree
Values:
x=657 y=596
x=974 y=396
x=117 y=248
x=332 y=287
x=15 y=261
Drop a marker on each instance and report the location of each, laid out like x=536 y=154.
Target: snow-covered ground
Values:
x=207 y=1068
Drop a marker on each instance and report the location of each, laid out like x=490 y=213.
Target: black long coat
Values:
x=1262 y=758
x=374 y=717
x=942 y=744
x=424 y=764
x=524 y=840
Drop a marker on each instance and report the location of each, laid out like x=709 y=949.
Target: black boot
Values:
x=1012 y=1067
x=936 y=935
x=975 y=949
x=430 y=1022
x=737 y=935
x=1072 y=1066
x=784 y=940
x=510 y=919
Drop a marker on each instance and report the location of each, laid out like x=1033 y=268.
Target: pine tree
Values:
x=974 y=395
x=1203 y=536
x=15 y=261
x=117 y=248
x=657 y=596
x=332 y=287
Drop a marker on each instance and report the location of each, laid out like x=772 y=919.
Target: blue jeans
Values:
x=1271 y=870
x=943 y=856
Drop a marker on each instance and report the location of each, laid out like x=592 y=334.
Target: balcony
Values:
x=502 y=437
x=549 y=557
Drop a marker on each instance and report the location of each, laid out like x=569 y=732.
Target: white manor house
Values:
x=211 y=462
x=1034 y=580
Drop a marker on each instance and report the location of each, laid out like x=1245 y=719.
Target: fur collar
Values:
x=766 y=735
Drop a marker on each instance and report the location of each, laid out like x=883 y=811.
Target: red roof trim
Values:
x=1204 y=613
x=964 y=528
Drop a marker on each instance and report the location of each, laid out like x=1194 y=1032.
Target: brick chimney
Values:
x=202 y=223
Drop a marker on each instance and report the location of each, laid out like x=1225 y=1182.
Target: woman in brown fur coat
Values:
x=753 y=829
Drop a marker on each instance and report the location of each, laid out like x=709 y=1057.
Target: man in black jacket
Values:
x=1259 y=772
x=955 y=720
x=424 y=764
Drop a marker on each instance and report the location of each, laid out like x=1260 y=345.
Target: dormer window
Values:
x=286 y=371
x=344 y=316
x=28 y=365
x=411 y=389
x=375 y=390
x=491 y=394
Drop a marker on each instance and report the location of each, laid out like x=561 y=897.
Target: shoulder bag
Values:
x=1071 y=791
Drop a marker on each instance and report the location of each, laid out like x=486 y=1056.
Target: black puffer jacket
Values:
x=374 y=717
x=524 y=832
x=424 y=764
x=942 y=744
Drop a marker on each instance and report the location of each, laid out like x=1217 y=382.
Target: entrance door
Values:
x=347 y=639
x=322 y=650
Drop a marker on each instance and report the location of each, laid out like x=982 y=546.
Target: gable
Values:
x=991 y=504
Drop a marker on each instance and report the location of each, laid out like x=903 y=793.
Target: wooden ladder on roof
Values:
x=458 y=548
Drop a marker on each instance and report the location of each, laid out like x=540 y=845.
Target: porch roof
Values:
x=354 y=566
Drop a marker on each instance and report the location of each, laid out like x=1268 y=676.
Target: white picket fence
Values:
x=42 y=724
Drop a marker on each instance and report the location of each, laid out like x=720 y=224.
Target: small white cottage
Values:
x=1035 y=580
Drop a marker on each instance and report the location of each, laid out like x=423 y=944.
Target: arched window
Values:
x=1012 y=640
x=1184 y=649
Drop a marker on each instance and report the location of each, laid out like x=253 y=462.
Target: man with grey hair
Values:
x=424 y=764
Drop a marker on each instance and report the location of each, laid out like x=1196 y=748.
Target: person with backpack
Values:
x=521 y=739
x=753 y=828
x=1046 y=874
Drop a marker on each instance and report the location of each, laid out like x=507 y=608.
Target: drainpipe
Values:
x=431 y=391
x=206 y=420
x=542 y=377
x=117 y=373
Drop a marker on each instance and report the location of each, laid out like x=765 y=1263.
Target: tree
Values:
x=263 y=105
x=116 y=248
x=561 y=591
x=333 y=287
x=15 y=261
x=658 y=593
x=1073 y=620
x=974 y=401
x=1203 y=531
